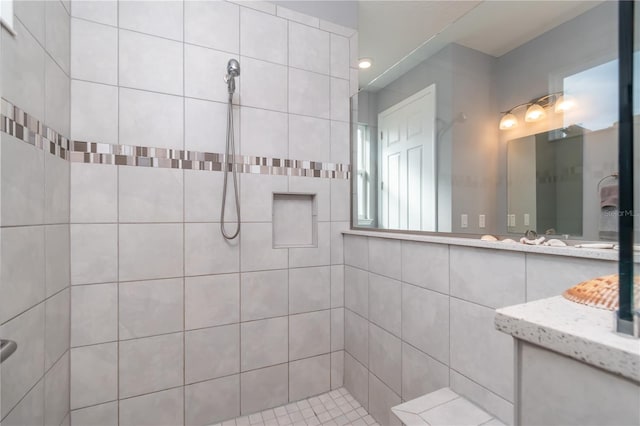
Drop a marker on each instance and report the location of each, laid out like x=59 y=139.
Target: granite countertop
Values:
x=470 y=241
x=577 y=331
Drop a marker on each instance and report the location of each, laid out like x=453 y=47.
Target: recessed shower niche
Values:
x=295 y=220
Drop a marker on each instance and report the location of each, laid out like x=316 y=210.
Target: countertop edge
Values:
x=596 y=254
x=621 y=358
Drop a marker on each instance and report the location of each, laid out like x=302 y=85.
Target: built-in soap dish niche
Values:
x=295 y=220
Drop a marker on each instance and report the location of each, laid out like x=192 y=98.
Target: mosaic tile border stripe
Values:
x=18 y=123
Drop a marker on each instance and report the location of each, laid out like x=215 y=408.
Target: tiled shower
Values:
x=136 y=310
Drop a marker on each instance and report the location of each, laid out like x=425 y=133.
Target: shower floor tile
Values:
x=335 y=408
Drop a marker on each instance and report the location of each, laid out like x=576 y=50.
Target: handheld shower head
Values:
x=233 y=71
x=233 y=68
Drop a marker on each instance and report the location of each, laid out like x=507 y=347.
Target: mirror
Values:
x=544 y=183
x=469 y=106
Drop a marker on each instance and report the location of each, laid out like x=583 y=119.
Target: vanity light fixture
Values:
x=365 y=63
x=536 y=109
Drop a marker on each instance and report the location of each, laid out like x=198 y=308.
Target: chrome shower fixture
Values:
x=233 y=71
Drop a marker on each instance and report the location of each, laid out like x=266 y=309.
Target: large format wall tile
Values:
x=264 y=294
x=264 y=85
x=212 y=401
x=264 y=343
x=22 y=280
x=94 y=50
x=309 y=94
x=164 y=19
x=94 y=115
x=426 y=265
x=385 y=357
x=148 y=194
x=309 y=289
x=309 y=334
x=490 y=278
x=356 y=380
x=149 y=251
x=57 y=258
x=385 y=303
x=207 y=251
x=265 y=388
x=309 y=377
x=202 y=292
x=102 y=414
x=381 y=399
x=421 y=374
x=94 y=193
x=57 y=327
x=309 y=48
x=212 y=24
x=164 y=407
x=356 y=290
x=263 y=36
x=150 y=364
x=212 y=352
x=94 y=314
x=94 y=375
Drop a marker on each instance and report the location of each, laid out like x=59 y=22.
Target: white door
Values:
x=408 y=158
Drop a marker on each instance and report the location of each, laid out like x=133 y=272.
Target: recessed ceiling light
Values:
x=365 y=63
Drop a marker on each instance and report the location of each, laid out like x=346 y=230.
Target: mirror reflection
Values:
x=492 y=117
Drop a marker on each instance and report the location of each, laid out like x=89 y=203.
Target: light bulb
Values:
x=564 y=103
x=508 y=121
x=534 y=113
x=365 y=63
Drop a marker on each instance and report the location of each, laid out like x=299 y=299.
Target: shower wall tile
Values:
x=148 y=251
x=202 y=241
x=309 y=289
x=150 y=364
x=94 y=112
x=263 y=36
x=56 y=190
x=425 y=321
x=56 y=95
x=385 y=257
x=150 y=63
x=57 y=258
x=264 y=343
x=385 y=357
x=22 y=269
x=23 y=70
x=264 y=388
x=202 y=197
x=94 y=50
x=356 y=379
x=313 y=256
x=212 y=24
x=264 y=133
x=478 y=350
x=57 y=326
x=94 y=314
x=164 y=19
x=421 y=374
x=294 y=16
x=212 y=401
x=356 y=290
x=211 y=353
x=339 y=56
x=31 y=15
x=385 y=303
x=94 y=375
x=356 y=337
x=309 y=138
x=264 y=85
x=381 y=399
x=56 y=391
x=340 y=200
x=356 y=252
x=337 y=369
x=206 y=126
x=94 y=193
x=30 y=410
x=200 y=64
x=164 y=407
x=309 y=94
x=147 y=308
x=337 y=329
x=22 y=186
x=321 y=188
x=202 y=292
x=308 y=377
x=19 y=374
x=340 y=100
x=150 y=195
x=256 y=249
x=264 y=294
x=432 y=275
x=257 y=191
x=150 y=119
x=94 y=253
x=309 y=334
x=340 y=142
x=105 y=12
x=309 y=48
x=102 y=414
x=57 y=33
x=337 y=286
x=503 y=273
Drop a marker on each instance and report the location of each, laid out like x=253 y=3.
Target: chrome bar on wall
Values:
x=7 y=348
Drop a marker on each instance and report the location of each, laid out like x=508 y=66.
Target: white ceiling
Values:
x=389 y=31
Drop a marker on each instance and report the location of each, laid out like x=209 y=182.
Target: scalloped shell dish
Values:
x=601 y=292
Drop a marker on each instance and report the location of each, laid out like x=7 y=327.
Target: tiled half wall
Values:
x=420 y=317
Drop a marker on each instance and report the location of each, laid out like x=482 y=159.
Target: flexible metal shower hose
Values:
x=229 y=158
